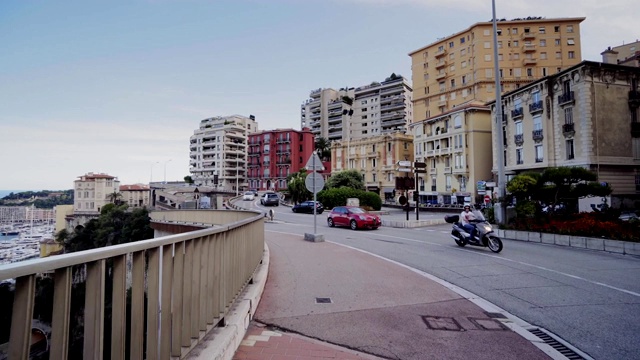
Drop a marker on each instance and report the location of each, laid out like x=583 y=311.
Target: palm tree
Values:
x=114 y=197
x=323 y=146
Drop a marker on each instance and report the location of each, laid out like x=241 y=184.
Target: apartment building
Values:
x=375 y=157
x=627 y=54
x=586 y=115
x=275 y=154
x=218 y=152
x=459 y=68
x=356 y=113
x=136 y=196
x=456 y=147
x=91 y=192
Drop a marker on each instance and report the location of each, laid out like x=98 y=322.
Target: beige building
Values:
x=218 y=152
x=460 y=68
x=357 y=113
x=584 y=116
x=456 y=147
x=376 y=158
x=91 y=193
x=136 y=196
x=628 y=54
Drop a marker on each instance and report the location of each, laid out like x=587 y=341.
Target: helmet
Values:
x=467 y=207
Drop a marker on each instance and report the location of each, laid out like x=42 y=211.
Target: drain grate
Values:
x=560 y=347
x=321 y=300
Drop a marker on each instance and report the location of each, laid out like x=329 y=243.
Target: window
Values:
x=570 y=41
x=486 y=32
x=499 y=57
x=558 y=55
x=499 y=32
x=441 y=85
x=463 y=52
x=373 y=163
x=556 y=28
x=569 y=28
x=464 y=79
x=487 y=45
x=441 y=48
x=514 y=31
x=539 y=154
x=501 y=73
x=527 y=30
x=570 y=152
x=447 y=181
x=518 y=127
x=568 y=115
x=541 y=30
x=544 y=71
x=519 y=157
x=529 y=72
x=515 y=43
x=463 y=64
x=462 y=40
x=571 y=54
x=499 y=44
x=488 y=73
x=543 y=43
x=452 y=55
x=451 y=44
x=556 y=42
x=516 y=56
x=517 y=72
x=487 y=57
x=543 y=55
x=453 y=83
x=537 y=122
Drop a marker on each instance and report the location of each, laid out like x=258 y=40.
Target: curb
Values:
x=222 y=343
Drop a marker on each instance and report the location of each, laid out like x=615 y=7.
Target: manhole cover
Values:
x=488 y=324
x=323 y=300
x=441 y=323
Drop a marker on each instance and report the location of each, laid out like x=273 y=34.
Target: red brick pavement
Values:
x=260 y=343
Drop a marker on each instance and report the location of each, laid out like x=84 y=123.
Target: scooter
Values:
x=484 y=235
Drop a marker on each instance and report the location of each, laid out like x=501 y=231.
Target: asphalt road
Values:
x=590 y=299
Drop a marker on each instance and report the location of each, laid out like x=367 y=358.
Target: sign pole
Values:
x=315 y=231
x=417 y=197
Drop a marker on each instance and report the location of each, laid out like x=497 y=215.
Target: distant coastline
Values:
x=4 y=193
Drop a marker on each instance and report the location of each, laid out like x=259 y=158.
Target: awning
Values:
x=388 y=189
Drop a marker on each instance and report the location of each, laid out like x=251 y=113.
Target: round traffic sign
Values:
x=487 y=198
x=314 y=182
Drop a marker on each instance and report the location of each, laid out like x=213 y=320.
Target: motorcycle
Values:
x=484 y=235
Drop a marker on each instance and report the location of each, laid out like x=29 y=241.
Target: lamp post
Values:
x=151 y=175
x=165 y=170
x=501 y=213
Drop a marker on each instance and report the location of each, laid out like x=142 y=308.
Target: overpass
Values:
x=183 y=287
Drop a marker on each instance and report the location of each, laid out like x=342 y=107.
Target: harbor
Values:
x=23 y=231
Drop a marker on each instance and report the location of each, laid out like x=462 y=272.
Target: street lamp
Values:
x=151 y=175
x=165 y=170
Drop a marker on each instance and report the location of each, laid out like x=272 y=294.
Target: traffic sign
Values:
x=406 y=163
x=314 y=182
x=487 y=199
x=420 y=171
x=403 y=169
x=314 y=163
x=419 y=165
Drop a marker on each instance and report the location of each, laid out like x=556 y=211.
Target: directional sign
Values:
x=420 y=171
x=403 y=169
x=419 y=165
x=404 y=163
x=314 y=163
x=314 y=182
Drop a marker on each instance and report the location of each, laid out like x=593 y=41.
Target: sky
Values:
x=118 y=87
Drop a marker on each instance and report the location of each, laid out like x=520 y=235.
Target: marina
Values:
x=22 y=231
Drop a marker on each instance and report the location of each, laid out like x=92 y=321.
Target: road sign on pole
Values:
x=314 y=163
x=404 y=163
x=314 y=182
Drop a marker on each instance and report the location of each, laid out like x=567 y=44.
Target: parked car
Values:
x=307 y=207
x=248 y=195
x=353 y=217
x=627 y=216
x=270 y=199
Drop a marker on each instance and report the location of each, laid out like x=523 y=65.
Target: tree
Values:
x=323 y=146
x=568 y=184
x=188 y=179
x=297 y=188
x=114 y=197
x=346 y=178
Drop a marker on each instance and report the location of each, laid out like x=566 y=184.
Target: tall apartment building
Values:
x=218 y=152
x=586 y=116
x=91 y=192
x=356 y=113
x=456 y=147
x=375 y=157
x=275 y=154
x=460 y=68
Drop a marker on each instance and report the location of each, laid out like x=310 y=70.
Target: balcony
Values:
x=531 y=61
x=519 y=162
x=441 y=64
x=536 y=107
x=566 y=98
x=528 y=35
x=568 y=130
x=447 y=170
x=528 y=48
x=539 y=160
x=441 y=75
x=518 y=139
x=283 y=141
x=635 y=129
x=517 y=113
x=537 y=135
x=433 y=171
x=440 y=53
x=142 y=271
x=442 y=102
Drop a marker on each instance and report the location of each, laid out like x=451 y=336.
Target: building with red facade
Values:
x=275 y=154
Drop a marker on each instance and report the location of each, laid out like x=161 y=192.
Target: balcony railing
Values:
x=565 y=98
x=187 y=282
x=539 y=160
x=518 y=139
x=535 y=107
x=537 y=135
x=568 y=129
x=517 y=113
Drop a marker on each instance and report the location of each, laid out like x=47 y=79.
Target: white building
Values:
x=361 y=112
x=92 y=192
x=218 y=152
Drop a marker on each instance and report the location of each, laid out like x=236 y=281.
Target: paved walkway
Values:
x=326 y=301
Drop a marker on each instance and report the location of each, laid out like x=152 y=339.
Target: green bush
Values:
x=331 y=198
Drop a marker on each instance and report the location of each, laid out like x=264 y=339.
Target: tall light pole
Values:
x=165 y=170
x=151 y=175
x=501 y=213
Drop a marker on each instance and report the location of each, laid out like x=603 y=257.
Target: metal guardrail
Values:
x=190 y=280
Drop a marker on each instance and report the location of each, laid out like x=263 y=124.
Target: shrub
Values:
x=331 y=198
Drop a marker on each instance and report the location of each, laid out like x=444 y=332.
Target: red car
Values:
x=353 y=217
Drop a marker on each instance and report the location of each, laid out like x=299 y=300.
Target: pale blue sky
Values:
x=119 y=86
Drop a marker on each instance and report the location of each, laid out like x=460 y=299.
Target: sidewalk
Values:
x=326 y=301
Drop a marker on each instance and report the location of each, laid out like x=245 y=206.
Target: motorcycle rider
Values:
x=466 y=216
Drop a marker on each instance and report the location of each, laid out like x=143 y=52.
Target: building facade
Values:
x=584 y=116
x=275 y=154
x=627 y=54
x=376 y=158
x=92 y=192
x=218 y=152
x=459 y=68
x=357 y=113
x=456 y=147
x=136 y=196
